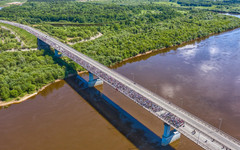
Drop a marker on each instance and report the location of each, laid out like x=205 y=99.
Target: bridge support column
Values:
x=42 y=45
x=56 y=53
x=169 y=136
x=94 y=82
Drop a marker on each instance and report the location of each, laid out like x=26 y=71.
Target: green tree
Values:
x=4 y=93
x=14 y=93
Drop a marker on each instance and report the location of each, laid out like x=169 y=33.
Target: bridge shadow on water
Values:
x=142 y=137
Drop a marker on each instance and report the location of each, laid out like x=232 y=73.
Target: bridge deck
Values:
x=205 y=135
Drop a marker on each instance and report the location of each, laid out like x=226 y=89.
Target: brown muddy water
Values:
x=202 y=77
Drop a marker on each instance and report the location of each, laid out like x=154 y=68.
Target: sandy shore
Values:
x=26 y=97
x=81 y=72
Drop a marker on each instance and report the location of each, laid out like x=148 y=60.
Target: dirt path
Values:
x=21 y=50
x=85 y=40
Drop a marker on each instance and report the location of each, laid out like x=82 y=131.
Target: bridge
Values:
x=200 y=132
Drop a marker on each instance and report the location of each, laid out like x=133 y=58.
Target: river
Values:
x=202 y=77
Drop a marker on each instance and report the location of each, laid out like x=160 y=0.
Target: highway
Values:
x=207 y=136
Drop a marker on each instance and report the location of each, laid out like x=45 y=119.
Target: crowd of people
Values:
x=172 y=119
x=132 y=94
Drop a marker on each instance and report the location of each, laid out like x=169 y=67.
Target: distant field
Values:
x=5 y=2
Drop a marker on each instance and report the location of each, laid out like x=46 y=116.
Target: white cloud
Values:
x=188 y=52
x=169 y=90
x=207 y=66
x=213 y=51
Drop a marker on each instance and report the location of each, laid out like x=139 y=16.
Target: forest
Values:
x=129 y=41
x=35 y=12
x=127 y=30
x=25 y=72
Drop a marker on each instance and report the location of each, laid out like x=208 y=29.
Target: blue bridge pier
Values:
x=169 y=136
x=56 y=53
x=91 y=83
x=94 y=82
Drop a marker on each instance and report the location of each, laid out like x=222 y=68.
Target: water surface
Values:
x=202 y=77
x=57 y=119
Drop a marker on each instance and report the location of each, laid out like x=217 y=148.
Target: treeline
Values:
x=26 y=72
x=35 y=12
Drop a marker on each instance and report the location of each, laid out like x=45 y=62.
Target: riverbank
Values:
x=26 y=97
x=170 y=47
